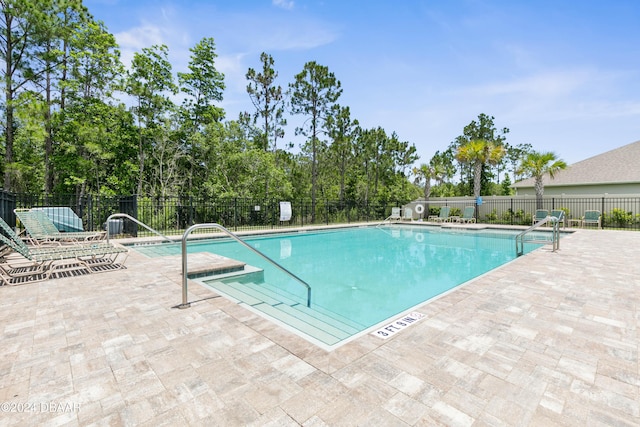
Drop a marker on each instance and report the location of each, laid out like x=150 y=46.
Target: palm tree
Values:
x=427 y=172
x=536 y=165
x=478 y=153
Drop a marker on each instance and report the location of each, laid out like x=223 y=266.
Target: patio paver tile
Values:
x=548 y=339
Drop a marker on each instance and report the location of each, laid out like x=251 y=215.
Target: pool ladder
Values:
x=124 y=215
x=555 y=234
x=185 y=303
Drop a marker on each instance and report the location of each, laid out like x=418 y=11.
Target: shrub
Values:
x=620 y=217
x=508 y=215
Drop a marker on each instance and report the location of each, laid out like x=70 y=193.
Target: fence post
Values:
x=513 y=214
x=602 y=221
x=235 y=214
x=129 y=205
x=7 y=205
x=91 y=222
x=326 y=211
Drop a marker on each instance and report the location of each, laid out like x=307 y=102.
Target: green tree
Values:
x=514 y=156
x=538 y=164
x=478 y=153
x=403 y=154
x=92 y=67
x=427 y=172
x=342 y=131
x=237 y=169
x=93 y=64
x=203 y=85
x=148 y=82
x=369 y=163
x=18 y=35
x=27 y=170
x=268 y=100
x=61 y=21
x=445 y=162
x=96 y=149
x=506 y=186
x=481 y=129
x=313 y=93
x=165 y=160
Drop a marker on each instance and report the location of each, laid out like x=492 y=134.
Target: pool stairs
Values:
x=314 y=323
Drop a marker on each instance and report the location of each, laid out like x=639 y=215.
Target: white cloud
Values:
x=234 y=70
x=135 y=39
x=139 y=37
x=294 y=38
x=284 y=4
x=553 y=96
x=545 y=85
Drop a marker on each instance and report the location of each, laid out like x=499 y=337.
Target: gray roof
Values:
x=621 y=165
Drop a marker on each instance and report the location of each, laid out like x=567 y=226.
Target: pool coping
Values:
x=195 y=236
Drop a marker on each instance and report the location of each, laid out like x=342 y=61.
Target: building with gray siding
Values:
x=613 y=172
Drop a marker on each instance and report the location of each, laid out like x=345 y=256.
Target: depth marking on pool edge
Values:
x=398 y=325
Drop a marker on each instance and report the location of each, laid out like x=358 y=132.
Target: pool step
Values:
x=268 y=294
x=315 y=310
x=539 y=239
x=539 y=242
x=205 y=264
x=318 y=324
x=257 y=284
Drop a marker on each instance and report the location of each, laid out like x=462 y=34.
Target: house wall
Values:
x=582 y=190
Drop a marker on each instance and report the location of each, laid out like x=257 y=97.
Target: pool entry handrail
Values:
x=124 y=215
x=555 y=234
x=185 y=303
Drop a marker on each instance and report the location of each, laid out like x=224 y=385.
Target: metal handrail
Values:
x=185 y=303
x=124 y=215
x=555 y=233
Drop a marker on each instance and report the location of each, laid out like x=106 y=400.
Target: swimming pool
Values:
x=359 y=277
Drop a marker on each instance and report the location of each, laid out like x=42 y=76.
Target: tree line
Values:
x=67 y=130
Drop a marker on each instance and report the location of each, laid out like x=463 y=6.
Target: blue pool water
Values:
x=367 y=274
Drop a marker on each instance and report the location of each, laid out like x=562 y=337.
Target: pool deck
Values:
x=550 y=339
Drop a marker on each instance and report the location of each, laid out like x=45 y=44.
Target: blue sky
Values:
x=563 y=76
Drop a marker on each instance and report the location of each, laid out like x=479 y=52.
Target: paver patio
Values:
x=548 y=339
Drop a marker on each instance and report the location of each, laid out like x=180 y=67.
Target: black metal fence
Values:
x=172 y=215
x=619 y=212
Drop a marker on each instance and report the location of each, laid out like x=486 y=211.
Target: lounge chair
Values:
x=408 y=214
x=395 y=215
x=41 y=263
x=443 y=216
x=41 y=229
x=540 y=215
x=468 y=215
x=559 y=214
x=64 y=218
x=592 y=217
